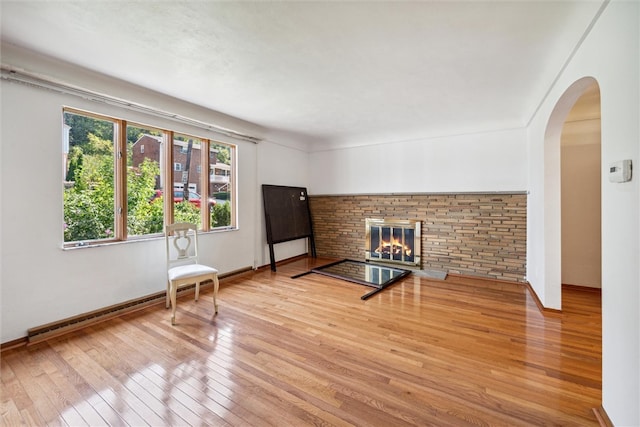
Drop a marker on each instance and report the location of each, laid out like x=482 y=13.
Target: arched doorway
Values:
x=552 y=187
x=580 y=160
x=573 y=168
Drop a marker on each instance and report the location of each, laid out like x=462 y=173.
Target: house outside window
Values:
x=115 y=184
x=145 y=170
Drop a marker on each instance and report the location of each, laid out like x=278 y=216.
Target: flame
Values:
x=394 y=247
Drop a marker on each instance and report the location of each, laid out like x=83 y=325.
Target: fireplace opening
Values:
x=392 y=240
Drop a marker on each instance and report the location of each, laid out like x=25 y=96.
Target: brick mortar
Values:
x=472 y=234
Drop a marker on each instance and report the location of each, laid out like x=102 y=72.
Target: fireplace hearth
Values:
x=392 y=241
x=387 y=241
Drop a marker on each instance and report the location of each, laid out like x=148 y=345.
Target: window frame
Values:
x=120 y=179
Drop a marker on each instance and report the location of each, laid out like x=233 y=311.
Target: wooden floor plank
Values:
x=309 y=351
x=9 y=413
x=43 y=406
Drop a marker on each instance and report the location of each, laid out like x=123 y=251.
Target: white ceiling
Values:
x=328 y=73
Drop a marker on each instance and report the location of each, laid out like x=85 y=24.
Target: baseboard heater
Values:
x=50 y=330
x=60 y=327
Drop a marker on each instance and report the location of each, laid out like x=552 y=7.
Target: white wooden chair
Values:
x=182 y=264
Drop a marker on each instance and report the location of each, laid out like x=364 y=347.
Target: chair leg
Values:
x=197 y=290
x=168 y=302
x=174 y=289
x=216 y=285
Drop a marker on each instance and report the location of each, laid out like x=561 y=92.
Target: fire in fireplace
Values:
x=392 y=240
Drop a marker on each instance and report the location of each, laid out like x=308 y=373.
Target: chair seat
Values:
x=190 y=270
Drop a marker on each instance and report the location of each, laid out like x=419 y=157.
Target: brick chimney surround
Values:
x=472 y=234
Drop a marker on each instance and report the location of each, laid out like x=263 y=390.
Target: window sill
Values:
x=85 y=245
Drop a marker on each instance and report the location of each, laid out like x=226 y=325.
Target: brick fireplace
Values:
x=473 y=234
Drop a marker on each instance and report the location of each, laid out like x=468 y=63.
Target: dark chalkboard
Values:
x=287 y=215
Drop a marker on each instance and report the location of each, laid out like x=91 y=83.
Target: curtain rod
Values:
x=43 y=83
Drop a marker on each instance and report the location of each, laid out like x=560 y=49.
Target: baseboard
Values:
x=64 y=326
x=542 y=308
x=489 y=279
x=602 y=417
x=554 y=311
x=20 y=342
x=70 y=324
x=582 y=288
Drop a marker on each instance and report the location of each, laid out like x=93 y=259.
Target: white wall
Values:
x=610 y=54
x=481 y=162
x=279 y=165
x=581 y=218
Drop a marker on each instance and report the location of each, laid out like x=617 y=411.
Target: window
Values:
x=188 y=204
x=145 y=211
x=221 y=184
x=114 y=188
x=89 y=178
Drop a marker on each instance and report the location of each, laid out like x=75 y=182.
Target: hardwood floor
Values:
x=307 y=351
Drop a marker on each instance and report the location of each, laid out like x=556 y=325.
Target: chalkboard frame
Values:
x=287 y=216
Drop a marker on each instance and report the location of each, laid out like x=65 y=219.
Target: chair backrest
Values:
x=181 y=241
